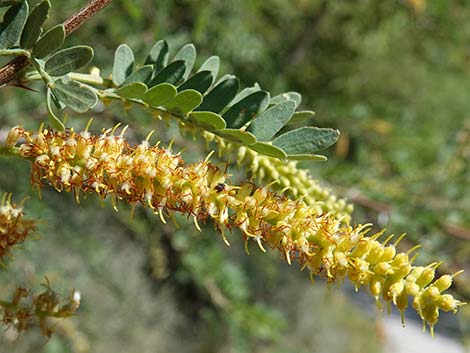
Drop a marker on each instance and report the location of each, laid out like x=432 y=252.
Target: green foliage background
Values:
x=392 y=76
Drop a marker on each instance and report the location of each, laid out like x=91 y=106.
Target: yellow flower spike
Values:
x=14 y=228
x=156 y=178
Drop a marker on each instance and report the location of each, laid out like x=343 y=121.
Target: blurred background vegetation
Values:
x=393 y=76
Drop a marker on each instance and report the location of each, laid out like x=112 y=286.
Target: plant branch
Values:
x=77 y=19
x=8 y=72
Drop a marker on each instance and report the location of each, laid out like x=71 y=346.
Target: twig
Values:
x=8 y=72
x=77 y=19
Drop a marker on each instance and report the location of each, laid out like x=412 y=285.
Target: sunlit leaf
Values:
x=123 y=64
x=132 y=90
x=207 y=120
x=184 y=102
x=160 y=94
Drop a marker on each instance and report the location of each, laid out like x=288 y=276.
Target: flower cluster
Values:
x=289 y=179
x=14 y=228
x=157 y=178
x=26 y=309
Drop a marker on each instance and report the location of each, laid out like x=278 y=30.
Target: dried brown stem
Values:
x=8 y=72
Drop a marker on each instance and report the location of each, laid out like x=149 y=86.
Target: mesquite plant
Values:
x=287 y=210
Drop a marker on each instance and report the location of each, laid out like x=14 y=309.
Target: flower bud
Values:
x=13 y=137
x=426 y=277
x=443 y=283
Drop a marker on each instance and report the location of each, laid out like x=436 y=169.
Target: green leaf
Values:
x=75 y=95
x=170 y=74
x=296 y=97
x=132 y=90
x=212 y=64
x=236 y=135
x=68 y=60
x=143 y=74
x=54 y=120
x=268 y=150
x=158 y=56
x=246 y=109
x=220 y=96
x=12 y=25
x=33 y=26
x=306 y=140
x=268 y=123
x=307 y=157
x=246 y=92
x=123 y=64
x=207 y=120
x=301 y=116
x=188 y=55
x=184 y=102
x=200 y=82
x=49 y=42
x=160 y=94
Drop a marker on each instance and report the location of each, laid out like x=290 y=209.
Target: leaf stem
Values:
x=14 y=52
